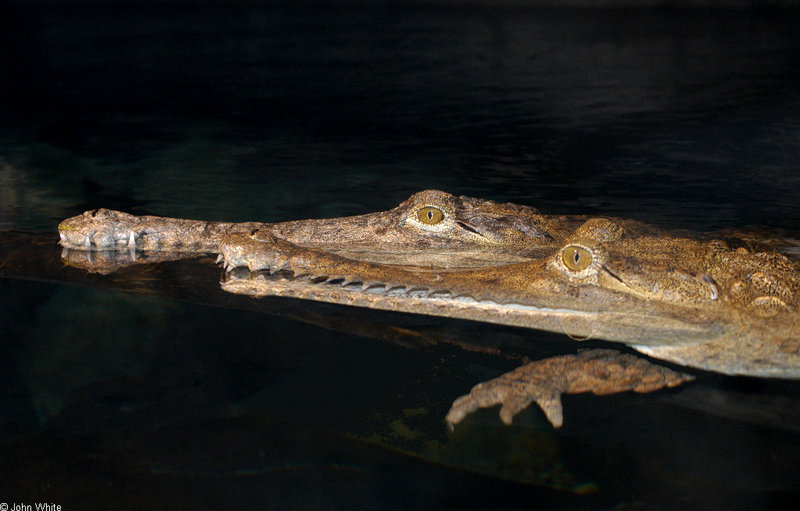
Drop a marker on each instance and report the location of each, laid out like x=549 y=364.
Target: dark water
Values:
x=151 y=388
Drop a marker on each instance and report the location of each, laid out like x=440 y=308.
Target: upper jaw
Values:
x=100 y=229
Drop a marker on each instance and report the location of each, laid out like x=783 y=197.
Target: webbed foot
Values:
x=597 y=371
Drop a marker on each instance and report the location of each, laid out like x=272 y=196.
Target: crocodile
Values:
x=430 y=229
x=720 y=303
x=694 y=302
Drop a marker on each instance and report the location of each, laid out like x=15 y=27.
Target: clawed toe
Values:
x=598 y=371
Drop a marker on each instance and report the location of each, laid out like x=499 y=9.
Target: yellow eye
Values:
x=576 y=258
x=430 y=215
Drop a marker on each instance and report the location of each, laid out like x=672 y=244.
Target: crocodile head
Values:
x=431 y=228
x=435 y=229
x=692 y=301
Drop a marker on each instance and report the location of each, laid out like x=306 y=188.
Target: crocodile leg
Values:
x=597 y=371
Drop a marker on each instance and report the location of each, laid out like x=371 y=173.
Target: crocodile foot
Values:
x=597 y=371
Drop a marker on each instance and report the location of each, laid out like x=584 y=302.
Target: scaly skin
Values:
x=724 y=304
x=689 y=301
x=597 y=371
x=461 y=232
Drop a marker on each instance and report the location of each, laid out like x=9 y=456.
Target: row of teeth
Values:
x=375 y=287
x=88 y=243
x=342 y=281
x=355 y=283
x=225 y=264
x=88 y=240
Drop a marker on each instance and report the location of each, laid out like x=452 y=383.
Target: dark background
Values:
x=261 y=110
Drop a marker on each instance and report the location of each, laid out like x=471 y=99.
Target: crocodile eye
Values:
x=430 y=215
x=576 y=258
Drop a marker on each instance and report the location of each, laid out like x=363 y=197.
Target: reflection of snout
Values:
x=102 y=261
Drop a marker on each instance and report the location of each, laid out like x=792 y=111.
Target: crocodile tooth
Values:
x=276 y=268
x=443 y=293
x=132 y=250
x=712 y=286
x=64 y=252
x=368 y=284
x=131 y=240
x=63 y=238
x=417 y=292
x=220 y=258
x=342 y=280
